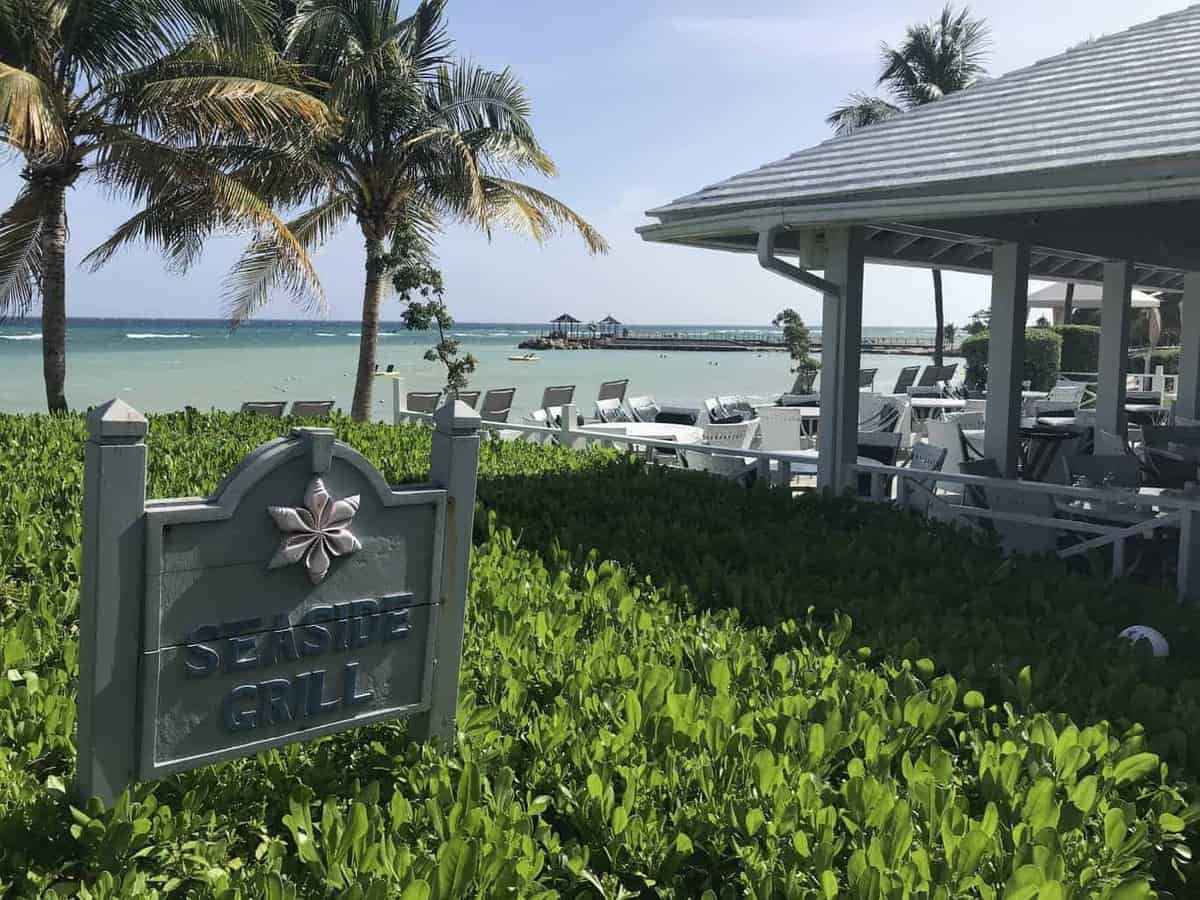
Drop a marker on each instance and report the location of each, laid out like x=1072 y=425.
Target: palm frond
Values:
x=21 y=227
x=176 y=226
x=860 y=111
x=243 y=25
x=28 y=116
x=224 y=104
x=472 y=99
x=425 y=39
x=279 y=261
x=108 y=37
x=521 y=207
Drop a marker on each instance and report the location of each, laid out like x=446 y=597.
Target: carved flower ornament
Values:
x=316 y=532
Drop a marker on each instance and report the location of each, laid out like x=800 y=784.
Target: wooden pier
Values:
x=713 y=342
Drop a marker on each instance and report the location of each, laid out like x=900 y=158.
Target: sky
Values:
x=639 y=102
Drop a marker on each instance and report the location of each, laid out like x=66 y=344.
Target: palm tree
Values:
x=935 y=59
x=115 y=91
x=420 y=140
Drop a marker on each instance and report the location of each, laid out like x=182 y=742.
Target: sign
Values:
x=305 y=597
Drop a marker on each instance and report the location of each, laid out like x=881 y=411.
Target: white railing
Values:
x=1158 y=381
x=775 y=468
x=1163 y=513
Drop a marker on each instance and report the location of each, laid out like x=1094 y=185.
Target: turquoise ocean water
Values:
x=164 y=364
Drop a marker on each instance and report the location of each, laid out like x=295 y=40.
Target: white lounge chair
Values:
x=271 y=409
x=497 y=404
x=906 y=379
x=559 y=395
x=613 y=390
x=422 y=401
x=312 y=409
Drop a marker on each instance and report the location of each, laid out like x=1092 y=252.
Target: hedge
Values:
x=1043 y=355
x=1080 y=347
x=662 y=695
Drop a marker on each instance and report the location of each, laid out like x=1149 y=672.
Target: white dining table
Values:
x=653 y=431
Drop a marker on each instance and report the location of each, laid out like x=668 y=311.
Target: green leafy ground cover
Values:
x=660 y=698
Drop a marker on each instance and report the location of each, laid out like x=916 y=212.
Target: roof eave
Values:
x=691 y=225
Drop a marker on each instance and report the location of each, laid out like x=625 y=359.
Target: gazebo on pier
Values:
x=564 y=326
x=609 y=325
x=1082 y=168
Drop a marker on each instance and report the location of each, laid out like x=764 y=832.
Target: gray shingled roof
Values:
x=1127 y=97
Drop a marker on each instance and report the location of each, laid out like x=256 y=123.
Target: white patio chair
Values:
x=783 y=428
x=1015 y=537
x=541 y=419
x=737 y=406
x=732 y=436
x=921 y=493
x=736 y=468
x=644 y=409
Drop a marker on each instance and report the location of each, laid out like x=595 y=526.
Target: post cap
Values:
x=116 y=419
x=456 y=417
x=320 y=446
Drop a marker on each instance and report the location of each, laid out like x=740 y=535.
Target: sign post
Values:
x=305 y=597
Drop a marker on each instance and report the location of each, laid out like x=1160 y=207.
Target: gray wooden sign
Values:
x=305 y=597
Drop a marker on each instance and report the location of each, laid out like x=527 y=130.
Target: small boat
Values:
x=526 y=357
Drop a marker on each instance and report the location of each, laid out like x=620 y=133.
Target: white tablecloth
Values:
x=654 y=431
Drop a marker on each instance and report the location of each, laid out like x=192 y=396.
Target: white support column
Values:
x=1114 y=346
x=1188 y=383
x=399 y=401
x=841 y=344
x=1006 y=354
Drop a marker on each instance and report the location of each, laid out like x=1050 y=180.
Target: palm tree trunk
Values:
x=360 y=409
x=939 y=312
x=54 y=300
x=1069 y=303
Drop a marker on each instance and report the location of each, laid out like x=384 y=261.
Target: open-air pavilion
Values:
x=609 y=325
x=565 y=325
x=1082 y=168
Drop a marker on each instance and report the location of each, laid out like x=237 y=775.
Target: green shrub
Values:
x=1080 y=347
x=1043 y=352
x=649 y=706
x=1168 y=359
